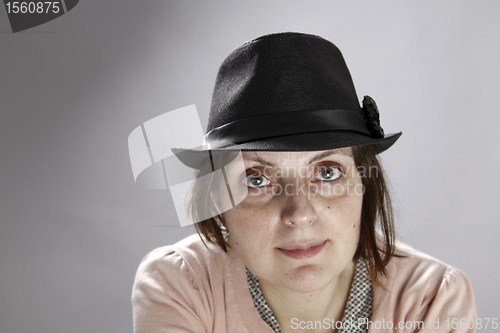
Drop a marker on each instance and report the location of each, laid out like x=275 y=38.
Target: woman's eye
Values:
x=256 y=180
x=329 y=173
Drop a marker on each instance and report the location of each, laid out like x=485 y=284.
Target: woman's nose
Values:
x=298 y=210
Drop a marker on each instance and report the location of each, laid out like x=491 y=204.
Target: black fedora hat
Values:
x=287 y=92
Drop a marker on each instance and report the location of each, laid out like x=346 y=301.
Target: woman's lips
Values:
x=299 y=252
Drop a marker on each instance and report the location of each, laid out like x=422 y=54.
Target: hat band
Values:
x=282 y=124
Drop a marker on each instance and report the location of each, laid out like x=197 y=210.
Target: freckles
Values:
x=350 y=209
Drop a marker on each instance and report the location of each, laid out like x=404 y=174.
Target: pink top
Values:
x=188 y=288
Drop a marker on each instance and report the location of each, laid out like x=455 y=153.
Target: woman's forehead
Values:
x=276 y=158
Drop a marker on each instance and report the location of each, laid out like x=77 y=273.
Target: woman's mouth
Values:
x=300 y=252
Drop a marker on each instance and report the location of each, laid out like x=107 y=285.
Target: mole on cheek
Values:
x=354 y=226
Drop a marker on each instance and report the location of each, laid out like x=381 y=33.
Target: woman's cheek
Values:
x=346 y=205
x=248 y=229
x=260 y=196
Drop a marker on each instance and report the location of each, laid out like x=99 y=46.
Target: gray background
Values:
x=74 y=226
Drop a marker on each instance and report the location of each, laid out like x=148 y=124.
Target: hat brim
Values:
x=327 y=140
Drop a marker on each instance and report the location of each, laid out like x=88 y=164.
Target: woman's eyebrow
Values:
x=261 y=161
x=328 y=153
x=318 y=157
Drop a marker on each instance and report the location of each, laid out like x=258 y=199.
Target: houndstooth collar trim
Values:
x=358 y=308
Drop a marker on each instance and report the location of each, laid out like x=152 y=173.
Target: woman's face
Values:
x=299 y=225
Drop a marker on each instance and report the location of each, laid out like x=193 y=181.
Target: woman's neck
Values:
x=295 y=309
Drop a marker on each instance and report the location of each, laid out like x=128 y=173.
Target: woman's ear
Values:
x=219 y=207
x=216 y=201
x=223 y=221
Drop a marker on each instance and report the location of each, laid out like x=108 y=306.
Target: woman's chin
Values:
x=308 y=279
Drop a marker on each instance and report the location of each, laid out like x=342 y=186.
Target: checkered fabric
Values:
x=359 y=305
x=260 y=302
x=358 y=309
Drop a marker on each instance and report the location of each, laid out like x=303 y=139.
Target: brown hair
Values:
x=376 y=248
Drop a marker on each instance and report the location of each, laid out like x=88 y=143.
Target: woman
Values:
x=299 y=251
